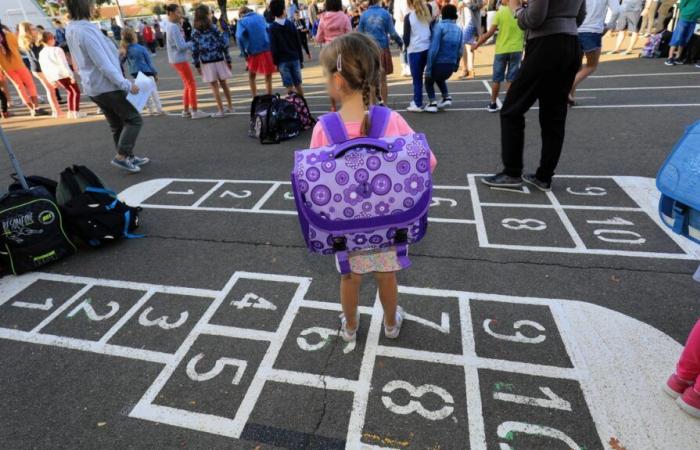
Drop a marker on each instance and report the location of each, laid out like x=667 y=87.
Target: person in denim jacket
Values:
x=378 y=23
x=443 y=57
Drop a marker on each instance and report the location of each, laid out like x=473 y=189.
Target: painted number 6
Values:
x=518 y=336
x=523 y=224
x=415 y=406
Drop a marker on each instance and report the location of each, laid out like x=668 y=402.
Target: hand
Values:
x=475 y=47
x=155 y=78
x=54 y=85
x=134 y=89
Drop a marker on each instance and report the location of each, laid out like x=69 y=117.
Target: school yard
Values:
x=534 y=321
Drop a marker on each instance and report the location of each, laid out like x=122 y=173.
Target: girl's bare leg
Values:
x=217 y=95
x=388 y=295
x=227 y=93
x=350 y=298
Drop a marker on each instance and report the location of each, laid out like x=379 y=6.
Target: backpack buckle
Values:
x=339 y=244
x=680 y=217
x=401 y=236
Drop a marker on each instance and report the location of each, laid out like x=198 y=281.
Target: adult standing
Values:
x=177 y=49
x=97 y=61
x=628 y=19
x=590 y=35
x=12 y=64
x=552 y=58
x=471 y=26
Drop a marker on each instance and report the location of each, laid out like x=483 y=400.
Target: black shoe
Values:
x=671 y=62
x=40 y=112
x=501 y=180
x=539 y=184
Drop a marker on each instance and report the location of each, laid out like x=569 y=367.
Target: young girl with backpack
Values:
x=138 y=60
x=351 y=64
x=211 y=57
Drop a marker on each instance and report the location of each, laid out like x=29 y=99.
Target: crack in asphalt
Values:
x=325 y=386
x=425 y=255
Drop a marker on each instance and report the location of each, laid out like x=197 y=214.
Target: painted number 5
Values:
x=523 y=224
x=518 y=336
x=415 y=406
x=219 y=366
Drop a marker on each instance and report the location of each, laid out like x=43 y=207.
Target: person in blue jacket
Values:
x=378 y=23
x=138 y=60
x=254 y=42
x=443 y=57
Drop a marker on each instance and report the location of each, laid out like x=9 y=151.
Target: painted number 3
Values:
x=523 y=224
x=415 y=406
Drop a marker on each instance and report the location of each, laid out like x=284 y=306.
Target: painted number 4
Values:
x=251 y=300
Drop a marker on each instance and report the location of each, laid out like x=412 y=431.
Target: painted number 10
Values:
x=616 y=236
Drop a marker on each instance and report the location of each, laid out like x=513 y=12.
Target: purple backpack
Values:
x=366 y=193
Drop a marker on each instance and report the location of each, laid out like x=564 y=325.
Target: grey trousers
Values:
x=124 y=121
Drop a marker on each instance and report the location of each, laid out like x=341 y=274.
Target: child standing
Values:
x=684 y=383
x=509 y=51
x=211 y=57
x=416 y=37
x=138 y=60
x=352 y=69
x=254 y=42
x=286 y=48
x=57 y=72
x=443 y=58
x=332 y=24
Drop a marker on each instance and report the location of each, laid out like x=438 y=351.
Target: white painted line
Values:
x=359 y=404
x=235 y=332
x=565 y=220
x=86 y=346
x=125 y=318
x=207 y=194
x=524 y=368
x=311 y=380
x=220 y=209
x=638 y=88
x=633 y=75
x=13 y=285
x=576 y=207
x=478 y=214
x=647 y=105
x=62 y=308
x=590 y=251
x=477 y=433
x=462 y=221
x=266 y=196
x=420 y=355
x=457 y=188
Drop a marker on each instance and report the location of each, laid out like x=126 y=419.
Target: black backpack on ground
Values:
x=32 y=231
x=664 y=45
x=273 y=119
x=94 y=213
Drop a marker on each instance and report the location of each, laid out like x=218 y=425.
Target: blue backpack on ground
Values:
x=679 y=183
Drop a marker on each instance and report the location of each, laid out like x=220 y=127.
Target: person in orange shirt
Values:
x=13 y=66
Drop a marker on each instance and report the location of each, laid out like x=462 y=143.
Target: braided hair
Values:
x=356 y=57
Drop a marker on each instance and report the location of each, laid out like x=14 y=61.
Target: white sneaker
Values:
x=405 y=70
x=432 y=107
x=445 y=103
x=150 y=112
x=218 y=115
x=76 y=115
x=346 y=334
x=393 y=332
x=413 y=108
x=228 y=110
x=186 y=114
x=160 y=112
x=199 y=115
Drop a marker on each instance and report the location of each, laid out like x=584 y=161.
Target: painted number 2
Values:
x=415 y=406
x=523 y=224
x=92 y=314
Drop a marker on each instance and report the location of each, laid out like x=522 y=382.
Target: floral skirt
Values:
x=368 y=261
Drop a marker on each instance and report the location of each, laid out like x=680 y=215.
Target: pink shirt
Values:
x=397 y=126
x=332 y=25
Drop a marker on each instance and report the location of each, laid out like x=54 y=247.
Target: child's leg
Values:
x=633 y=40
x=688 y=367
x=430 y=87
x=442 y=85
x=592 y=59
x=350 y=298
x=253 y=85
x=268 y=83
x=227 y=93
x=388 y=296
x=155 y=97
x=495 y=89
x=217 y=95
x=299 y=90
x=384 y=88
x=619 y=41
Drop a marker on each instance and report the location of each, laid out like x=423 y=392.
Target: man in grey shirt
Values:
x=552 y=58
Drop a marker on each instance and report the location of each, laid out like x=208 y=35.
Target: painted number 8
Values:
x=523 y=224
x=415 y=406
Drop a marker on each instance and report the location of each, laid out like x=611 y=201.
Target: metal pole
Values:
x=13 y=160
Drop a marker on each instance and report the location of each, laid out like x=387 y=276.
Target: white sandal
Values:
x=393 y=332
x=346 y=334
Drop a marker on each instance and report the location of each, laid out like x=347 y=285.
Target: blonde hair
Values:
x=421 y=9
x=355 y=56
x=128 y=38
x=25 y=38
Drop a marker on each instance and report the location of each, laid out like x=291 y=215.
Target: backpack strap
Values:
x=89 y=176
x=334 y=128
x=378 y=121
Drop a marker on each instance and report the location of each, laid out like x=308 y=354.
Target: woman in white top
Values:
x=416 y=38
x=57 y=72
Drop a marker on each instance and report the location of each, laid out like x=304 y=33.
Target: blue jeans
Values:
x=503 y=60
x=290 y=72
x=417 y=62
x=439 y=75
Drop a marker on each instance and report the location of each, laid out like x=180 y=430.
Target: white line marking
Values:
x=478 y=214
x=266 y=196
x=633 y=75
x=206 y=195
x=488 y=90
x=420 y=355
x=62 y=308
x=125 y=318
x=565 y=221
x=477 y=433
x=235 y=332
x=576 y=207
x=335 y=306
x=359 y=404
x=591 y=251
x=310 y=380
x=45 y=306
x=638 y=88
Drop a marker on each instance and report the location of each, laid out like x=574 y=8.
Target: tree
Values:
x=222 y=8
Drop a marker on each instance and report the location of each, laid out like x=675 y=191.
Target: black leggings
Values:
x=305 y=43
x=3 y=101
